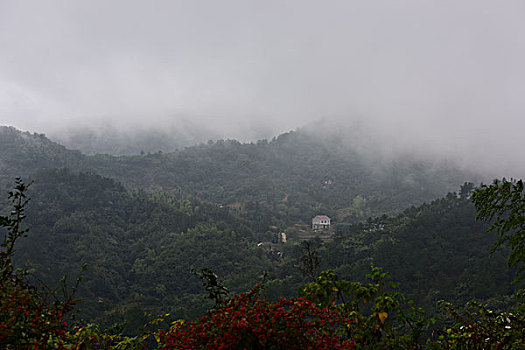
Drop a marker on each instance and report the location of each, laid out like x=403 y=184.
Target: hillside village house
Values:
x=321 y=222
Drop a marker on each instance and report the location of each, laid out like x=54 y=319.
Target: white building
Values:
x=321 y=222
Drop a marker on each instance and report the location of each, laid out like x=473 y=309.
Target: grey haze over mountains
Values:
x=439 y=76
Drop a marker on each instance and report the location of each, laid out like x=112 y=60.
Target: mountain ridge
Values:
x=313 y=172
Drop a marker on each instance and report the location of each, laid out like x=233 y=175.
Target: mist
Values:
x=439 y=77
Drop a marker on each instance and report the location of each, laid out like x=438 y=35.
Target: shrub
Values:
x=249 y=321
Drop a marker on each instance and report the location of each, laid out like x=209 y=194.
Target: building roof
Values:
x=322 y=217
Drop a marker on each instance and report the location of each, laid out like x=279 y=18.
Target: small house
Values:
x=321 y=222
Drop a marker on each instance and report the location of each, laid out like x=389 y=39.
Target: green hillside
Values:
x=141 y=248
x=288 y=179
x=143 y=222
x=436 y=251
x=23 y=153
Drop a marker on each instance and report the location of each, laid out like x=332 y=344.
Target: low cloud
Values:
x=446 y=76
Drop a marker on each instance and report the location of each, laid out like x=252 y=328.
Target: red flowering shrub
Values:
x=27 y=321
x=248 y=321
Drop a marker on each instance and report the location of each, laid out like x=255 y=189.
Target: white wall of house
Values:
x=320 y=222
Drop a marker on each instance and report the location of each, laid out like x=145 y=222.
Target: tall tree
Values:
x=503 y=203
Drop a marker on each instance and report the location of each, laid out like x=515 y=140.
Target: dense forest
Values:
x=147 y=224
x=142 y=247
x=290 y=178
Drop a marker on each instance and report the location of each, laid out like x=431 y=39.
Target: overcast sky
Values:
x=448 y=74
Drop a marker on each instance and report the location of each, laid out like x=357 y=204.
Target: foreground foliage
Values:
x=478 y=327
x=249 y=321
x=503 y=203
x=27 y=319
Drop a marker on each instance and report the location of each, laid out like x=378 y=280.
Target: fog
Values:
x=441 y=76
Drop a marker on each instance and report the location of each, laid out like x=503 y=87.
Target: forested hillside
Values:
x=23 y=153
x=280 y=182
x=141 y=248
x=290 y=178
x=143 y=222
x=436 y=251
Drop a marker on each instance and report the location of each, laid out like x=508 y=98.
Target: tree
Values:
x=27 y=318
x=310 y=261
x=503 y=203
x=12 y=223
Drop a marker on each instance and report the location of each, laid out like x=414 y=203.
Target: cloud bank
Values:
x=444 y=75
